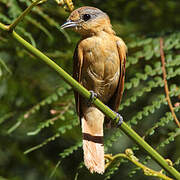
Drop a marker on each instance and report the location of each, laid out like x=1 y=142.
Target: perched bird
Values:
x=99 y=65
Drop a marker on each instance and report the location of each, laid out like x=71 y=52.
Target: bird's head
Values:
x=88 y=21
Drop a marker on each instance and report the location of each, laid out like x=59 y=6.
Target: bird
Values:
x=99 y=65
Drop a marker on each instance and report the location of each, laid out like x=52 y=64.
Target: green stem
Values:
x=134 y=160
x=19 y=18
x=107 y=111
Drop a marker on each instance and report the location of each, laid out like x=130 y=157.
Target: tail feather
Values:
x=92 y=128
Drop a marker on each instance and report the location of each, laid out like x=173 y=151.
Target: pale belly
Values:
x=101 y=73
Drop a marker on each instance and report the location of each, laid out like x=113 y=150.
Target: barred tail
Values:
x=93 y=147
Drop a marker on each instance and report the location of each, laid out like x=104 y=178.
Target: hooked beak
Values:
x=69 y=24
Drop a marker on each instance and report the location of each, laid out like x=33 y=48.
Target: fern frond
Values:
x=151 y=48
x=51 y=121
x=158 y=81
x=40 y=26
x=149 y=72
x=155 y=105
x=50 y=99
x=4 y=66
x=69 y=126
x=163 y=121
x=6 y=116
x=27 y=34
x=52 y=22
x=70 y=150
x=151 y=84
x=5 y=19
x=14 y=10
x=110 y=140
x=170 y=139
x=48 y=19
x=114 y=166
x=139 y=42
x=148 y=109
x=42 y=144
x=177 y=162
x=61 y=130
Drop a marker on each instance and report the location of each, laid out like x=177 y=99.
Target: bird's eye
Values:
x=86 y=17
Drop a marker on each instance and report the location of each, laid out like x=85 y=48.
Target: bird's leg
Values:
x=119 y=118
x=92 y=97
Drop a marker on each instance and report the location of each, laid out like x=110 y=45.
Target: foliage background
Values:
x=36 y=100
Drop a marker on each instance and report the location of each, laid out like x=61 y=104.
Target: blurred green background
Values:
x=37 y=107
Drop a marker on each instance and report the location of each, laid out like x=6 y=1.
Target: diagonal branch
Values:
x=166 y=84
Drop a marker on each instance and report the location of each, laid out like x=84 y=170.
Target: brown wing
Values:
x=115 y=100
x=77 y=67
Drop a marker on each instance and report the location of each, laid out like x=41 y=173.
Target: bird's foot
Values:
x=92 y=97
x=119 y=118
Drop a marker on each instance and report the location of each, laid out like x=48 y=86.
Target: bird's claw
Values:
x=119 y=118
x=92 y=97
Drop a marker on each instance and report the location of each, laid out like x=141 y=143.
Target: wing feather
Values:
x=77 y=67
x=115 y=100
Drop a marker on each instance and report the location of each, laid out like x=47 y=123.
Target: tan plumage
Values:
x=99 y=65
